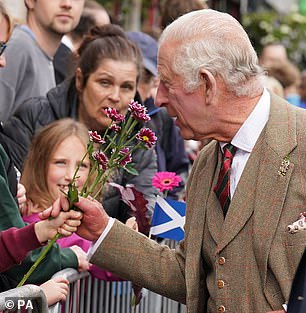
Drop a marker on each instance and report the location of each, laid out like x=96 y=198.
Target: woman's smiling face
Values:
x=113 y=85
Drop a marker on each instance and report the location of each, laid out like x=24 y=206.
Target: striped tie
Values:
x=222 y=189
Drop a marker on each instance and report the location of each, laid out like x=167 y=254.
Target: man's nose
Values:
x=66 y=4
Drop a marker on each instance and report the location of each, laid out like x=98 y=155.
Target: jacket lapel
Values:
x=276 y=142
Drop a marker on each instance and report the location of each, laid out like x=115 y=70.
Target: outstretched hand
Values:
x=65 y=223
x=94 y=219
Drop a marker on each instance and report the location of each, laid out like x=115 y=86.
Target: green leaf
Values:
x=131 y=170
x=73 y=195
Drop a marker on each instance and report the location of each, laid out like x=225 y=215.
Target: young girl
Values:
x=56 y=152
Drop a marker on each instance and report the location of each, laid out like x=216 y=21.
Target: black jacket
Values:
x=62 y=102
x=297 y=300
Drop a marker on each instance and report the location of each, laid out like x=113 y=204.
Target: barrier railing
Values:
x=91 y=295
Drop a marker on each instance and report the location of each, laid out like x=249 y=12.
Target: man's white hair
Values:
x=217 y=42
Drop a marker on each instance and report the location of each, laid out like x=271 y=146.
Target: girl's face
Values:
x=63 y=164
x=112 y=85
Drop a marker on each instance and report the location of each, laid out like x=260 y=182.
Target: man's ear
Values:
x=209 y=85
x=29 y=4
x=79 y=80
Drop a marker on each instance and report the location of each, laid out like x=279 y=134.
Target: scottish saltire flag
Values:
x=168 y=219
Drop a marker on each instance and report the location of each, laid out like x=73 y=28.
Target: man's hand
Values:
x=94 y=219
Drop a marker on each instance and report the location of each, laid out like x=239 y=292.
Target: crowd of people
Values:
x=202 y=85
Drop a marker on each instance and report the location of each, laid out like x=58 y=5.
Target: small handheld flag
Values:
x=168 y=219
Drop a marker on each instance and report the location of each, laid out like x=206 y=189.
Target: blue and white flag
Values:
x=168 y=219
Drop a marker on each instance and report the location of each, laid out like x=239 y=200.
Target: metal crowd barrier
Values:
x=20 y=297
x=91 y=295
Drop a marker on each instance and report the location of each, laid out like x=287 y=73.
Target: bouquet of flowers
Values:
x=111 y=151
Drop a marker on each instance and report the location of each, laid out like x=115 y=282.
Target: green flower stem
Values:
x=131 y=139
x=105 y=178
x=79 y=165
x=106 y=131
x=131 y=128
x=125 y=130
x=39 y=259
x=95 y=183
x=110 y=145
x=88 y=178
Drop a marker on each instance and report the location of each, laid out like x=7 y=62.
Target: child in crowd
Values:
x=60 y=148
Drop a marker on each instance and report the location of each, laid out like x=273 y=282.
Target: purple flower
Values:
x=127 y=159
x=147 y=136
x=95 y=137
x=138 y=111
x=101 y=158
x=116 y=128
x=114 y=115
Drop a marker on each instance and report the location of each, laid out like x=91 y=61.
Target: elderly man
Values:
x=246 y=186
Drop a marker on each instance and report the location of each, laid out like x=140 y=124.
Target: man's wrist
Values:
x=97 y=243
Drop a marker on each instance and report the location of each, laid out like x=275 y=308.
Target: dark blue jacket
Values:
x=297 y=299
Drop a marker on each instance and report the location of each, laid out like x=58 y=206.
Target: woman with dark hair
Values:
x=106 y=76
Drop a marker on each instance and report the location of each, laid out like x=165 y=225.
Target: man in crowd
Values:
x=29 y=71
x=246 y=186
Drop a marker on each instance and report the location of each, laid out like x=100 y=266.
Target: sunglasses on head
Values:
x=2 y=47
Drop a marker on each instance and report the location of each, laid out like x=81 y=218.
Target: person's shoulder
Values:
x=31 y=114
x=20 y=39
x=34 y=104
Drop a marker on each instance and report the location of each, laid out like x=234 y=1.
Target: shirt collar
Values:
x=247 y=135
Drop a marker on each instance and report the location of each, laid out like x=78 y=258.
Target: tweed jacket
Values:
x=245 y=262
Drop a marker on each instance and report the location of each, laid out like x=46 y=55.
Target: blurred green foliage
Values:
x=269 y=27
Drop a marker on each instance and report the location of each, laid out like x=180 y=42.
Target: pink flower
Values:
x=127 y=159
x=114 y=127
x=166 y=180
x=101 y=158
x=147 y=136
x=138 y=111
x=95 y=137
x=114 y=115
